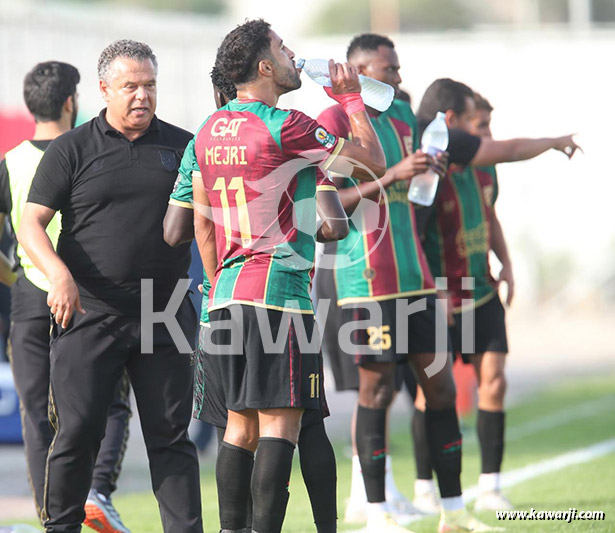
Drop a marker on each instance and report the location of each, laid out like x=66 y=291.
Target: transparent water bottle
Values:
x=375 y=94
x=423 y=187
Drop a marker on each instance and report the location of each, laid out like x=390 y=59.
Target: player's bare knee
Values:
x=497 y=388
x=441 y=397
x=378 y=395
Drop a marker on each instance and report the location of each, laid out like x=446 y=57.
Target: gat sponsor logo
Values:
x=223 y=127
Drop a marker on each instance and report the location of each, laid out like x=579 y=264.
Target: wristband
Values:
x=351 y=102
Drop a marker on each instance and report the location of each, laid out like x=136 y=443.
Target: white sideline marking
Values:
x=546 y=466
x=560 y=418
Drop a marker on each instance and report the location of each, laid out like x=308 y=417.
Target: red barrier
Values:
x=465 y=380
x=15 y=126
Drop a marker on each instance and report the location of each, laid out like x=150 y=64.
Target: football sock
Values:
x=489 y=482
x=270 y=479
x=445 y=449
x=371 y=448
x=422 y=458
x=390 y=487
x=233 y=472
x=490 y=430
x=357 y=486
x=452 y=504
x=319 y=472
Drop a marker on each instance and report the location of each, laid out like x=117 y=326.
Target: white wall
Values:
x=541 y=83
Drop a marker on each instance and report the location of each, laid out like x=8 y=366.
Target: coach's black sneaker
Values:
x=101 y=516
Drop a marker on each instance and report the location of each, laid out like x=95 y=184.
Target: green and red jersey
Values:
x=458 y=235
x=382 y=259
x=259 y=166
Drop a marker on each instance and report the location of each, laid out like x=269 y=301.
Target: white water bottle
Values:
x=423 y=187
x=375 y=94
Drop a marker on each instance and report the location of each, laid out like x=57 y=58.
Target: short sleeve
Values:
x=462 y=147
x=300 y=134
x=52 y=182
x=5 y=189
x=188 y=169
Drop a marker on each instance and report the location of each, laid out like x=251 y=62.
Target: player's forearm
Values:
x=493 y=152
x=498 y=242
x=334 y=221
x=351 y=196
x=36 y=243
x=204 y=233
x=372 y=155
x=7 y=276
x=178 y=226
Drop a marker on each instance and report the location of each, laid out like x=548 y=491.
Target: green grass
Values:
x=589 y=486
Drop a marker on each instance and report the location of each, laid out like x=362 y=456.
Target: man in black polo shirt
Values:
x=50 y=92
x=111 y=179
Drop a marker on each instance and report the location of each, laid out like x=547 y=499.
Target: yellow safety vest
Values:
x=21 y=163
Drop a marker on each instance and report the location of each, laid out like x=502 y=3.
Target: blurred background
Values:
x=543 y=64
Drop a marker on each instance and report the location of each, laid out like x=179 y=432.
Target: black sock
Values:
x=233 y=473
x=270 y=479
x=371 y=448
x=422 y=458
x=490 y=429
x=445 y=448
x=319 y=474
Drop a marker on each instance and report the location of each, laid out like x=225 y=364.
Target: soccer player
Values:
x=111 y=179
x=50 y=92
x=257 y=166
x=394 y=274
x=457 y=241
x=315 y=451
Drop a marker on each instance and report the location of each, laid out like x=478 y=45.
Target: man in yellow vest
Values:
x=50 y=92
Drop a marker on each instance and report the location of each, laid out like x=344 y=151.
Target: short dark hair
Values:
x=482 y=103
x=241 y=50
x=124 y=48
x=367 y=42
x=223 y=84
x=47 y=86
x=442 y=95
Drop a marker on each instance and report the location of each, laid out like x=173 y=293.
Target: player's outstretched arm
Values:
x=63 y=297
x=178 y=225
x=204 y=229
x=365 y=148
x=492 y=152
x=334 y=221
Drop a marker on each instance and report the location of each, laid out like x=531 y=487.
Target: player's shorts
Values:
x=489 y=329
x=381 y=337
x=263 y=369
x=209 y=402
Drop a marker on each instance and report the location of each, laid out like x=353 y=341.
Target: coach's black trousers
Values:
x=87 y=360
x=29 y=353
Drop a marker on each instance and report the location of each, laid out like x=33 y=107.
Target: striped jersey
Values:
x=259 y=166
x=382 y=258
x=458 y=234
